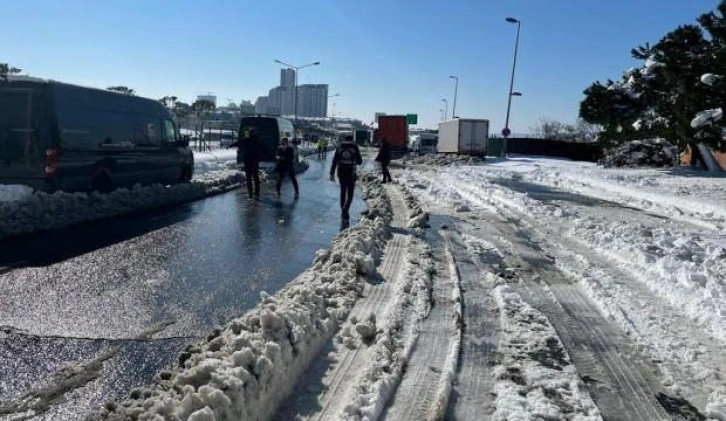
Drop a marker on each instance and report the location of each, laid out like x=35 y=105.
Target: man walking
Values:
x=249 y=153
x=347 y=157
x=286 y=165
x=384 y=157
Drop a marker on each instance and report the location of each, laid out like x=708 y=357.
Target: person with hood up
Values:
x=286 y=165
x=347 y=157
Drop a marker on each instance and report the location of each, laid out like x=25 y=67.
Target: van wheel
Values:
x=102 y=183
x=186 y=175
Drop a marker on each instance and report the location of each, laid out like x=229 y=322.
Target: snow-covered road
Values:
x=525 y=288
x=627 y=266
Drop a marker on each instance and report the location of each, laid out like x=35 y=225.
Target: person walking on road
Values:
x=325 y=148
x=286 y=165
x=384 y=157
x=321 y=144
x=249 y=152
x=347 y=157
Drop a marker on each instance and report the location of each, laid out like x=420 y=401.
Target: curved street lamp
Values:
x=296 y=68
x=456 y=89
x=506 y=132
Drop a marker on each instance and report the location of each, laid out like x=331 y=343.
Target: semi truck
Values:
x=394 y=129
x=464 y=135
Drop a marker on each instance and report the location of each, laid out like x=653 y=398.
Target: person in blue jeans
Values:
x=347 y=157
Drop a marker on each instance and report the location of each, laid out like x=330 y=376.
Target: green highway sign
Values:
x=412 y=118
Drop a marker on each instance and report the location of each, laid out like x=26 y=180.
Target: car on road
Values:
x=269 y=132
x=58 y=136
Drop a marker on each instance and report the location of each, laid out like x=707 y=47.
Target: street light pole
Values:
x=294 y=92
x=506 y=131
x=446 y=113
x=456 y=90
x=442 y=115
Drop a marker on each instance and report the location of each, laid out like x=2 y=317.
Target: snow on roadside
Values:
x=214 y=160
x=43 y=211
x=536 y=378
x=246 y=369
x=395 y=342
x=14 y=193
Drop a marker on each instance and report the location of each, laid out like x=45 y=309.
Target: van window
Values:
x=16 y=123
x=170 y=133
x=89 y=128
x=147 y=131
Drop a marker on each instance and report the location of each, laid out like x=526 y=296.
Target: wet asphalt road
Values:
x=116 y=300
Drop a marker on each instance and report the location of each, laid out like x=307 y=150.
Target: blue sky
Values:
x=389 y=56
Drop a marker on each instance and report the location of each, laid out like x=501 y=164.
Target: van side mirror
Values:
x=183 y=141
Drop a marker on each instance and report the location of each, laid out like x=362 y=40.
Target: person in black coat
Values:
x=286 y=165
x=347 y=157
x=249 y=152
x=384 y=157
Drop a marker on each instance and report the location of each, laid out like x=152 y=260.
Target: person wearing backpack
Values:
x=347 y=157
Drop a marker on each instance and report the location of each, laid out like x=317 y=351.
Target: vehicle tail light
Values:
x=51 y=161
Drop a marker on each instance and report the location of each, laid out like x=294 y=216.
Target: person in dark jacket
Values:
x=286 y=165
x=347 y=157
x=384 y=157
x=249 y=152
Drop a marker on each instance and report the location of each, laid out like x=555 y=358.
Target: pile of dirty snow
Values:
x=14 y=193
x=441 y=159
x=642 y=153
x=44 y=211
x=244 y=370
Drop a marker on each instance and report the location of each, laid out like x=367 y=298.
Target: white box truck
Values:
x=464 y=135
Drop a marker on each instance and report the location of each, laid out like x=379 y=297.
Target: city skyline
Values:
x=396 y=62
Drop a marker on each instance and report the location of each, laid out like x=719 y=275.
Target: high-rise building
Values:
x=312 y=100
x=275 y=101
x=209 y=97
x=287 y=77
x=261 y=105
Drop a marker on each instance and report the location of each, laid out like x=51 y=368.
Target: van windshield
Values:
x=16 y=123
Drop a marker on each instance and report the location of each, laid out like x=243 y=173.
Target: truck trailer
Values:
x=394 y=129
x=464 y=135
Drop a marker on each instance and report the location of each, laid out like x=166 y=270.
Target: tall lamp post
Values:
x=456 y=90
x=442 y=115
x=446 y=109
x=506 y=131
x=294 y=92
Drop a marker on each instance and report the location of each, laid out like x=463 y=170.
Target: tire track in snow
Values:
x=338 y=375
x=624 y=389
x=423 y=393
x=474 y=384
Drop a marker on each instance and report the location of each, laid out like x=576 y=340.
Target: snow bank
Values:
x=14 y=193
x=43 y=211
x=215 y=160
x=393 y=347
x=642 y=153
x=246 y=369
x=396 y=339
x=440 y=159
x=536 y=378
